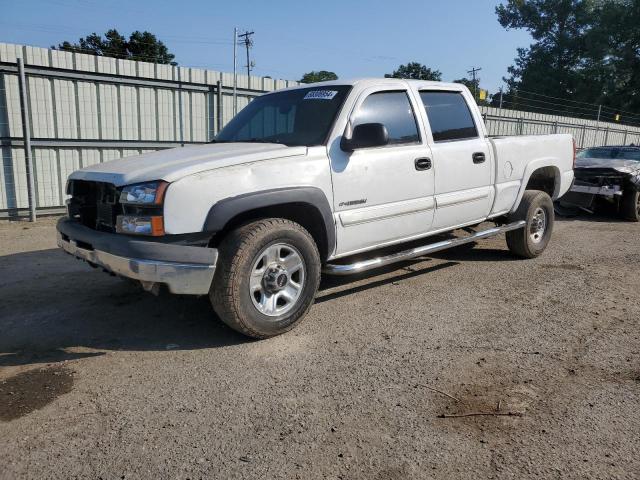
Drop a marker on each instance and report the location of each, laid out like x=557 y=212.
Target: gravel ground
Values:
x=101 y=380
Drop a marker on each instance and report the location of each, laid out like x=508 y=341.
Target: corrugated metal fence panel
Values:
x=109 y=112
x=165 y=117
x=199 y=116
x=12 y=102
x=41 y=107
x=148 y=113
x=87 y=103
x=6 y=179
x=65 y=109
x=17 y=196
x=47 y=179
x=76 y=97
x=90 y=156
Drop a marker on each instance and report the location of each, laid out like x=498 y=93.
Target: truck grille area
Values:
x=94 y=204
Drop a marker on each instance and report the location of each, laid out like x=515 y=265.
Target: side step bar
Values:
x=365 y=265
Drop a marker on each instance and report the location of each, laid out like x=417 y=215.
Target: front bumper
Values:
x=184 y=269
x=605 y=190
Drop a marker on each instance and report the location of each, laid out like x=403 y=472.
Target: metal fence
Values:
x=587 y=133
x=83 y=109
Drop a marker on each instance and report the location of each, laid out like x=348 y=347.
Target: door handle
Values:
x=478 y=157
x=422 y=163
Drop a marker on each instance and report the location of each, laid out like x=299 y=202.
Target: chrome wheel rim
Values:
x=538 y=225
x=277 y=279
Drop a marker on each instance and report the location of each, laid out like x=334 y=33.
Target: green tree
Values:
x=415 y=71
x=474 y=87
x=470 y=84
x=143 y=46
x=319 y=76
x=584 y=51
x=612 y=65
x=551 y=65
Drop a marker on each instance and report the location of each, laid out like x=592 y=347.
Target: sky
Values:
x=354 y=38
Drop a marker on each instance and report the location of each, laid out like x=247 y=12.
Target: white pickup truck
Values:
x=302 y=180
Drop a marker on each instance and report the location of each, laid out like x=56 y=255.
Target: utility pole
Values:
x=598 y=121
x=235 y=72
x=473 y=72
x=248 y=43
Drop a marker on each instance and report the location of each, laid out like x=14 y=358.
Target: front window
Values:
x=300 y=117
x=393 y=110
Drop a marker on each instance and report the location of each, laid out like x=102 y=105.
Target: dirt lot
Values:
x=99 y=380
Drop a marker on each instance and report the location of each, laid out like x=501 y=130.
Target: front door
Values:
x=383 y=194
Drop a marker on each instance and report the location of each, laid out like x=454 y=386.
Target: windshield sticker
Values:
x=320 y=95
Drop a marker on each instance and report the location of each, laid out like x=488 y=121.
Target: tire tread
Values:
x=517 y=240
x=225 y=289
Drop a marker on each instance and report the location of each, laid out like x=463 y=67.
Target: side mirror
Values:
x=365 y=135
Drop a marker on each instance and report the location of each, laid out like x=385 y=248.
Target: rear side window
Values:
x=449 y=116
x=394 y=111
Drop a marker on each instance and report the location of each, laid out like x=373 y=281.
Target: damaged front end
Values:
x=604 y=181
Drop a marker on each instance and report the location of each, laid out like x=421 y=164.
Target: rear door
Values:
x=462 y=159
x=383 y=194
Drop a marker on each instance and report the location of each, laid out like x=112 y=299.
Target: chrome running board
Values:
x=364 y=265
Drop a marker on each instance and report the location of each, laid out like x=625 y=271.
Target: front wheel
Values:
x=630 y=207
x=267 y=277
x=536 y=209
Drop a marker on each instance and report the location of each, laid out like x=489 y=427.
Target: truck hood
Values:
x=172 y=164
x=617 y=164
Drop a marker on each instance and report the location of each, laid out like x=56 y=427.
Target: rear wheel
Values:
x=536 y=209
x=630 y=207
x=267 y=277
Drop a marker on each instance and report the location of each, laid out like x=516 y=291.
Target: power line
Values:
x=594 y=105
x=523 y=106
x=593 y=111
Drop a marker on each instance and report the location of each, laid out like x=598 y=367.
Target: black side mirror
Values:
x=365 y=135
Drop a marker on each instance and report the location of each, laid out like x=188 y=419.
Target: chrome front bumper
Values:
x=184 y=278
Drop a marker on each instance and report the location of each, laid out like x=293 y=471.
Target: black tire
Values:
x=528 y=242
x=630 y=206
x=230 y=292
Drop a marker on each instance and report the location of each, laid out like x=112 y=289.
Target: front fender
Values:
x=225 y=210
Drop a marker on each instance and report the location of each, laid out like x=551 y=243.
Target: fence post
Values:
x=584 y=132
x=219 y=106
x=26 y=132
x=606 y=136
x=521 y=121
x=626 y=132
x=555 y=127
x=180 y=108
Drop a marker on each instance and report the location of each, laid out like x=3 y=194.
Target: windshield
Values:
x=610 y=153
x=300 y=117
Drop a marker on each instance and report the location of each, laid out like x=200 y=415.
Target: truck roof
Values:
x=400 y=82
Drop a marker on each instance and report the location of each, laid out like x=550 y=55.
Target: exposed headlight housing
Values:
x=140 y=225
x=148 y=193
